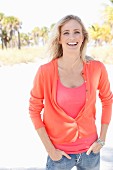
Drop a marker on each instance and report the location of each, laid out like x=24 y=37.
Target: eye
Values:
x=65 y=33
x=77 y=32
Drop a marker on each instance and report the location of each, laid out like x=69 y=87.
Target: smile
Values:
x=72 y=44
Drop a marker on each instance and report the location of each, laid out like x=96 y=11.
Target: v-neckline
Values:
x=55 y=89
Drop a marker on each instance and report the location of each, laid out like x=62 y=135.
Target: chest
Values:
x=71 y=78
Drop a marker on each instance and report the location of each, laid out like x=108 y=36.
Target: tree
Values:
x=108 y=15
x=24 y=39
x=35 y=35
x=44 y=34
x=1 y=28
x=111 y=1
x=11 y=26
x=106 y=33
x=95 y=33
x=52 y=25
x=100 y=33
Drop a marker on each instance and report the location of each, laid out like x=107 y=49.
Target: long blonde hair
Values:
x=54 y=48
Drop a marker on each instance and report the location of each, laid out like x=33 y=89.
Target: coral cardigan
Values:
x=60 y=127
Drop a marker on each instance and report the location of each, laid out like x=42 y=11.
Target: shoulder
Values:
x=91 y=60
x=47 y=68
x=95 y=66
x=95 y=63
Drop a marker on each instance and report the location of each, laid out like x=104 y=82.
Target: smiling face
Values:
x=71 y=36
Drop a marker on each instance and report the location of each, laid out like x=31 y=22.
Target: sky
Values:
x=41 y=13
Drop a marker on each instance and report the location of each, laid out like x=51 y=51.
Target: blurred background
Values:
x=24 y=31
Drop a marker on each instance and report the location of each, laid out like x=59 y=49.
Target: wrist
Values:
x=101 y=142
x=50 y=150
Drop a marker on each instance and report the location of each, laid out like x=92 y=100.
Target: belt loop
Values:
x=78 y=158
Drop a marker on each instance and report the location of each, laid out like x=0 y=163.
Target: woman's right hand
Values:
x=57 y=155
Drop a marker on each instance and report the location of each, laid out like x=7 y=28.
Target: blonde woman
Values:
x=64 y=90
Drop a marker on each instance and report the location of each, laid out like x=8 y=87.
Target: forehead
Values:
x=72 y=24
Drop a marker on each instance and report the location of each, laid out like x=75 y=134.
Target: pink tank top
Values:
x=71 y=100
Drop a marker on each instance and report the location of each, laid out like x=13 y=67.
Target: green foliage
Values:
x=108 y=15
x=10 y=24
x=100 y=33
x=24 y=39
x=111 y=1
x=104 y=32
x=94 y=31
x=52 y=25
x=1 y=16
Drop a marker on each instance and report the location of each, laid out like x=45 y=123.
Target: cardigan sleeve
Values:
x=36 y=100
x=105 y=95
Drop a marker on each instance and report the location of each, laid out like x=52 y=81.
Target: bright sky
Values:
x=41 y=13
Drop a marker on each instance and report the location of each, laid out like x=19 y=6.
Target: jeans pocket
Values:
x=93 y=153
x=60 y=160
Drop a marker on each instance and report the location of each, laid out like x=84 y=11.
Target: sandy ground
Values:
x=20 y=146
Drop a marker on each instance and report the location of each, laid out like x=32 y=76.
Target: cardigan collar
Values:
x=54 y=88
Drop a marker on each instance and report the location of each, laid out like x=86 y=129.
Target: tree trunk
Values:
x=2 y=43
x=19 y=44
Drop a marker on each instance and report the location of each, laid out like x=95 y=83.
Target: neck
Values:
x=70 y=62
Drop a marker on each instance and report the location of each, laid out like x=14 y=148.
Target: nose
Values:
x=71 y=37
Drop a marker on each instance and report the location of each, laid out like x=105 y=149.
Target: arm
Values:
x=96 y=146
x=35 y=107
x=54 y=153
x=105 y=95
x=36 y=100
x=103 y=132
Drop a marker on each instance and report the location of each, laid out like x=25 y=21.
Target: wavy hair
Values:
x=54 y=48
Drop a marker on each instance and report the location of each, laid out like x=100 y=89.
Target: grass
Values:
x=25 y=55
x=104 y=53
x=28 y=55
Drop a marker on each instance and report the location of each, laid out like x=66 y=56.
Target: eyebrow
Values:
x=74 y=30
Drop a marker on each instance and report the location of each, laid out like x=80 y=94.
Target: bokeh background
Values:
x=24 y=31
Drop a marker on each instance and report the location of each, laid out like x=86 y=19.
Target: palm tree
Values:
x=12 y=25
x=25 y=40
x=35 y=35
x=1 y=28
x=108 y=17
x=111 y=1
x=44 y=34
x=51 y=26
x=95 y=33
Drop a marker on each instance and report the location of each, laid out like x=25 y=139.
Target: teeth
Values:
x=72 y=43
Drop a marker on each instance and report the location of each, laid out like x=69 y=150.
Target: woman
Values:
x=64 y=91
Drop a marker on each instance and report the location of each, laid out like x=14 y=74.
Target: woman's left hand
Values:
x=95 y=147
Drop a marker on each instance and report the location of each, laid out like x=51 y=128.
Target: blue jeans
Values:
x=81 y=161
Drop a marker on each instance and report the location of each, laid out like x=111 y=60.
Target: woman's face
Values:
x=71 y=36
